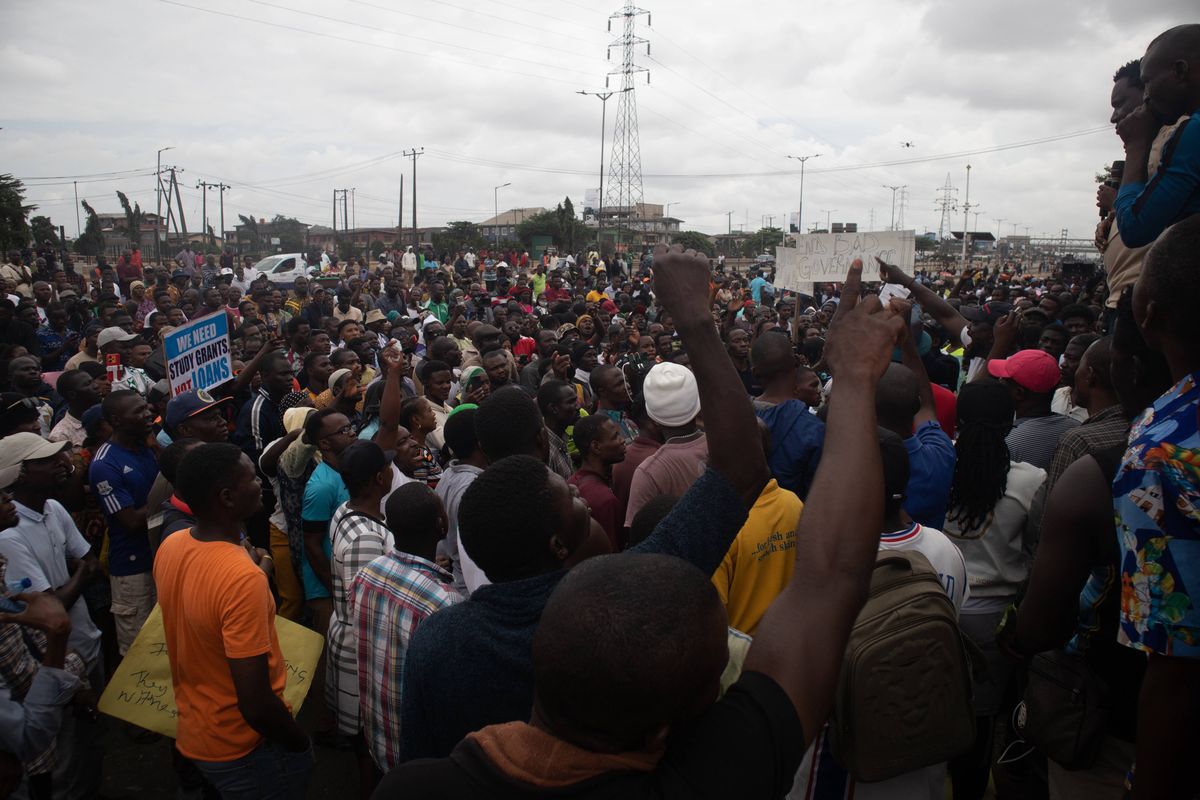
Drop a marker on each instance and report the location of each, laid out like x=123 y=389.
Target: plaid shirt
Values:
x=389 y=598
x=1108 y=428
x=357 y=539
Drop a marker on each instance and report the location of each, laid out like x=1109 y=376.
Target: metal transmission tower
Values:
x=903 y=203
x=625 y=166
x=947 y=204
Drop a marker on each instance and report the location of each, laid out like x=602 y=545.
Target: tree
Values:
x=458 y=236
x=291 y=233
x=134 y=217
x=14 y=229
x=91 y=241
x=251 y=226
x=762 y=241
x=44 y=229
x=926 y=243
x=377 y=248
x=695 y=240
x=561 y=225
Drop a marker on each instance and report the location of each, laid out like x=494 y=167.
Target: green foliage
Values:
x=14 y=229
x=458 y=236
x=764 y=240
x=251 y=231
x=134 y=217
x=91 y=241
x=562 y=226
x=44 y=229
x=377 y=248
x=291 y=233
x=926 y=243
x=695 y=240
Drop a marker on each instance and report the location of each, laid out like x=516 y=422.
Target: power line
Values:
x=377 y=29
x=362 y=43
x=540 y=45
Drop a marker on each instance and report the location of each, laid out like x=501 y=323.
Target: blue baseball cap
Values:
x=188 y=404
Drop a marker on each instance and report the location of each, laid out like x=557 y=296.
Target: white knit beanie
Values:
x=672 y=398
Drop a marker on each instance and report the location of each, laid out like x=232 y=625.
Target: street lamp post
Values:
x=828 y=214
x=800 y=210
x=672 y=203
x=496 y=209
x=894 y=189
x=603 y=117
x=158 y=201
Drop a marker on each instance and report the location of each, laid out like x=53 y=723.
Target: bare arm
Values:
x=681 y=283
x=801 y=640
x=315 y=533
x=69 y=592
x=912 y=359
x=1079 y=505
x=943 y=312
x=393 y=396
x=261 y=708
x=1167 y=735
x=244 y=378
x=269 y=463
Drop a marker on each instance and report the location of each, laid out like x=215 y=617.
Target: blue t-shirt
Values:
x=323 y=493
x=931 y=459
x=1145 y=210
x=797 y=438
x=758 y=286
x=122 y=478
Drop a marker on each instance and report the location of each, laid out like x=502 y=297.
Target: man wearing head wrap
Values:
x=673 y=402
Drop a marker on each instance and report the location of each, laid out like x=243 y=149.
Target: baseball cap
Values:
x=18 y=448
x=189 y=404
x=113 y=334
x=91 y=419
x=1034 y=370
x=988 y=312
x=178 y=274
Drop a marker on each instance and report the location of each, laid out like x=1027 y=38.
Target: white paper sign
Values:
x=826 y=257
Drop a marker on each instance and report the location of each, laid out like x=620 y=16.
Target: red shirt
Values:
x=551 y=294
x=606 y=509
x=946 y=407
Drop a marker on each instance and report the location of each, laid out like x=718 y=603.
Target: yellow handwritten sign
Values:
x=141 y=692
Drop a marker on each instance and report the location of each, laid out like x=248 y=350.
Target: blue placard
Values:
x=198 y=354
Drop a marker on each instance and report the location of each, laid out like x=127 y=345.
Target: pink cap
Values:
x=1034 y=370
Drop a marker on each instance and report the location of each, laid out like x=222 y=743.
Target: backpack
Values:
x=904 y=697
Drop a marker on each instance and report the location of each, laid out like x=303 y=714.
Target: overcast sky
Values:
x=328 y=93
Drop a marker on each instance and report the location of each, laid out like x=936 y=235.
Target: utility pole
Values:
x=222 y=188
x=828 y=215
x=894 y=189
x=496 y=210
x=79 y=227
x=182 y=227
x=204 y=206
x=1015 y=224
x=400 y=213
x=729 y=221
x=800 y=210
x=999 y=222
x=157 y=202
x=966 y=210
x=603 y=122
x=414 y=154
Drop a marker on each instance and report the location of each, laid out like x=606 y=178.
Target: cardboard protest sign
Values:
x=826 y=257
x=141 y=692
x=198 y=355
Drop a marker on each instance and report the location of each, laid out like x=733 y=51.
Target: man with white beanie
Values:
x=673 y=402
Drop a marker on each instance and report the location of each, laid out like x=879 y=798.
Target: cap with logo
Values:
x=189 y=404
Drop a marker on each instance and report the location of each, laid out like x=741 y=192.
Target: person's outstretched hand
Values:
x=681 y=284
x=860 y=343
x=43 y=611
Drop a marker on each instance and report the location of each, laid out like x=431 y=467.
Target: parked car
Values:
x=284 y=268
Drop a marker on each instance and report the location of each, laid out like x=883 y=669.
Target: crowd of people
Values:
x=582 y=526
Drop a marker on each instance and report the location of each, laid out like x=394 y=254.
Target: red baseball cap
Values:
x=1034 y=370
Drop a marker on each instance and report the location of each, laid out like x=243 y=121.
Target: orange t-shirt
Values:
x=216 y=605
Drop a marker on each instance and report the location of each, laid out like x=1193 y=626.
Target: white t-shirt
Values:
x=398 y=480
x=943 y=555
x=38 y=549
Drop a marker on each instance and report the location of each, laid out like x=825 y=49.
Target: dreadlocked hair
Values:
x=985 y=414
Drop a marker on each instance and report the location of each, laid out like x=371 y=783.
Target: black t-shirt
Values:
x=748 y=746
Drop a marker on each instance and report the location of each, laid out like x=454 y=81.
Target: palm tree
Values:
x=251 y=225
x=134 y=217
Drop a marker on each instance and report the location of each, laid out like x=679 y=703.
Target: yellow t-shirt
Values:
x=761 y=559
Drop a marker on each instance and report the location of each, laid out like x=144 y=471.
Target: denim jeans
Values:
x=268 y=771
